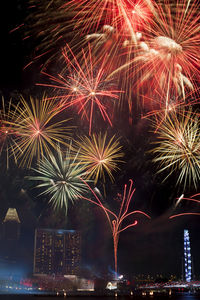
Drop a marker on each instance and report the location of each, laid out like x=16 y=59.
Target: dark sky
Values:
x=12 y=52
x=154 y=246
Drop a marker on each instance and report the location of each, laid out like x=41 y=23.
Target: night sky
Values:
x=152 y=247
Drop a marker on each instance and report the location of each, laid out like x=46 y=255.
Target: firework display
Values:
x=161 y=105
x=60 y=176
x=124 y=15
x=193 y=199
x=116 y=220
x=169 y=56
x=110 y=69
x=85 y=88
x=100 y=155
x=178 y=147
x=176 y=37
x=147 y=45
x=35 y=134
x=7 y=132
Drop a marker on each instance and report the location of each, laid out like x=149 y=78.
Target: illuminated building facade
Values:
x=187 y=256
x=57 y=252
x=11 y=225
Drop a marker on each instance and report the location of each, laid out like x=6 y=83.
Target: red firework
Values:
x=195 y=198
x=169 y=55
x=126 y=15
x=84 y=85
x=184 y=214
x=116 y=220
x=161 y=105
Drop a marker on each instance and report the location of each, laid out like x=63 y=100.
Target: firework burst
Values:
x=178 y=147
x=7 y=132
x=60 y=175
x=56 y=22
x=126 y=16
x=36 y=129
x=168 y=54
x=49 y=25
x=161 y=105
x=100 y=155
x=86 y=88
x=172 y=50
x=118 y=50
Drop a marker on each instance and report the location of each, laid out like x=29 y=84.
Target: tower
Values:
x=57 y=252
x=187 y=256
x=11 y=225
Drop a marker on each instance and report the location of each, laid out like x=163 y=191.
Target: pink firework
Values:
x=116 y=220
x=85 y=86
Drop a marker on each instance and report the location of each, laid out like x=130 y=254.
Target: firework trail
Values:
x=179 y=200
x=195 y=198
x=185 y=214
x=116 y=220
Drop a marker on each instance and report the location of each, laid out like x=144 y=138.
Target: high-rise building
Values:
x=57 y=252
x=11 y=225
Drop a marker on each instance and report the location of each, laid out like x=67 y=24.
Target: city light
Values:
x=187 y=256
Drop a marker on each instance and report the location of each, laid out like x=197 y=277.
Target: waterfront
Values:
x=183 y=296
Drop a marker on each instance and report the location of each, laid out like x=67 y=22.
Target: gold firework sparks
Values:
x=60 y=176
x=178 y=147
x=36 y=129
x=100 y=155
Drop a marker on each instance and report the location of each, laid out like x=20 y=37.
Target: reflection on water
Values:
x=184 y=296
x=188 y=297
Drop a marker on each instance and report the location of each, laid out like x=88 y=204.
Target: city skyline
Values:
x=142 y=263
